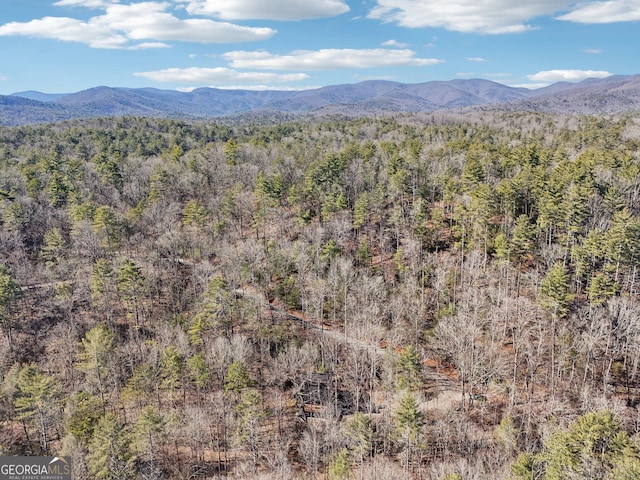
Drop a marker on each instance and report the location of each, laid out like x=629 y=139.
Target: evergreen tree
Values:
x=35 y=401
x=232 y=151
x=149 y=432
x=553 y=293
x=237 y=378
x=107 y=227
x=131 y=287
x=172 y=368
x=594 y=446
x=409 y=369
x=359 y=431
x=340 y=468
x=110 y=456
x=103 y=287
x=523 y=246
x=199 y=371
x=144 y=382
x=9 y=292
x=409 y=420
x=194 y=214
x=84 y=413
x=54 y=246
x=215 y=310
x=555 y=297
x=622 y=242
x=95 y=351
x=601 y=288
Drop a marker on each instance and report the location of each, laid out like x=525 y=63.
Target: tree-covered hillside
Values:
x=429 y=297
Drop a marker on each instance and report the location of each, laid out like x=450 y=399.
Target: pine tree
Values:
x=249 y=419
x=35 y=400
x=131 y=287
x=54 y=246
x=601 y=288
x=199 y=371
x=59 y=188
x=215 y=310
x=103 y=287
x=84 y=414
x=340 y=468
x=232 y=151
x=622 y=242
x=93 y=356
x=194 y=214
x=172 y=368
x=149 y=432
x=522 y=246
x=553 y=293
x=9 y=292
x=359 y=431
x=237 y=378
x=409 y=420
x=107 y=227
x=110 y=456
x=555 y=297
x=361 y=210
x=409 y=369
x=593 y=446
x=144 y=382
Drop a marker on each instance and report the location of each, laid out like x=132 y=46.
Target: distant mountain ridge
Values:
x=39 y=96
x=613 y=94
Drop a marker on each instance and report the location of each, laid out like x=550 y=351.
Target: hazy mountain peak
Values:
x=608 y=95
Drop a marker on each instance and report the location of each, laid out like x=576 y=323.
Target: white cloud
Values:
x=500 y=16
x=267 y=10
x=394 y=43
x=327 y=59
x=149 y=20
x=121 y=25
x=257 y=88
x=68 y=30
x=147 y=45
x=486 y=16
x=85 y=3
x=604 y=12
x=218 y=75
x=475 y=59
x=593 y=51
x=550 y=76
x=530 y=86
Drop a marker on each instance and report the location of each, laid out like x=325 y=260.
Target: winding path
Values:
x=442 y=391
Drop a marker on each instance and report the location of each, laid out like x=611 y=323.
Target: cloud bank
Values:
x=551 y=76
x=218 y=75
x=327 y=59
x=121 y=26
x=282 y=10
x=612 y=11
x=488 y=16
x=500 y=16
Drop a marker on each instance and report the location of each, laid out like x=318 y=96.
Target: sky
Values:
x=64 y=46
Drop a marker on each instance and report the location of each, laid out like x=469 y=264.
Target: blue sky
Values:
x=61 y=46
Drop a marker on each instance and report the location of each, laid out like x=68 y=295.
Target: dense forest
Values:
x=430 y=296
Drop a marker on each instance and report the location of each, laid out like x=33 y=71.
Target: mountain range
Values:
x=614 y=94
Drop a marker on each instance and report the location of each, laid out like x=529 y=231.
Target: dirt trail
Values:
x=443 y=392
